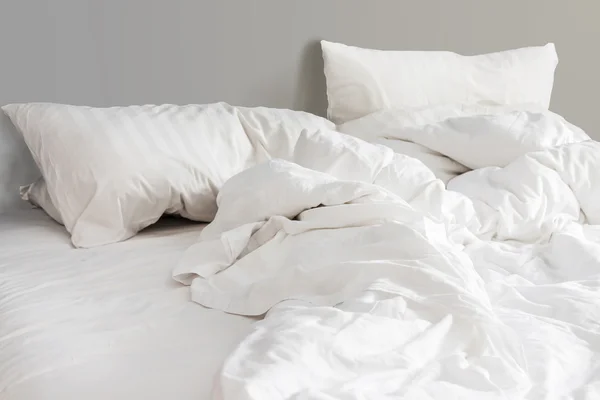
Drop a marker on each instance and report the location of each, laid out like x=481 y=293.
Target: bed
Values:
x=429 y=229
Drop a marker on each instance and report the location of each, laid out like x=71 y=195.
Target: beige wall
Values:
x=250 y=52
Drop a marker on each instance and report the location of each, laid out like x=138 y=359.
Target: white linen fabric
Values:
x=111 y=172
x=427 y=133
x=362 y=81
x=379 y=283
x=104 y=323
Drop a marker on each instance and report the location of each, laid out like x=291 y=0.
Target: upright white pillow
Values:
x=110 y=172
x=363 y=81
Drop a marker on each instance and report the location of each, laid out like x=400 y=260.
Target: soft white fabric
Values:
x=111 y=172
x=381 y=127
x=104 y=323
x=494 y=140
x=451 y=140
x=380 y=283
x=16 y=166
x=418 y=116
x=37 y=194
x=443 y=167
x=362 y=81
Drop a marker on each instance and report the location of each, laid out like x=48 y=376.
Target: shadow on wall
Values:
x=17 y=168
x=311 y=91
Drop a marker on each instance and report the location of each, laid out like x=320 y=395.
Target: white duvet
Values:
x=379 y=283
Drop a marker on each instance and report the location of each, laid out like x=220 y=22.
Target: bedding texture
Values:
x=378 y=282
x=362 y=81
x=110 y=172
x=425 y=133
x=104 y=323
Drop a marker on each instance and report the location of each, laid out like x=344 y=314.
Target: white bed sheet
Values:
x=380 y=283
x=107 y=322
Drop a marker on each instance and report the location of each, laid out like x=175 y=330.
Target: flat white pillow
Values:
x=110 y=172
x=363 y=81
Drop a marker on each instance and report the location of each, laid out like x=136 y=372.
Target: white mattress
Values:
x=104 y=323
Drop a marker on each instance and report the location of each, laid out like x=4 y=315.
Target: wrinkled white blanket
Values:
x=379 y=283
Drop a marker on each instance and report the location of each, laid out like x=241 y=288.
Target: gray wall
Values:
x=259 y=52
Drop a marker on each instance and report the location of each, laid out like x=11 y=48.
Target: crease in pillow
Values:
x=383 y=127
x=37 y=195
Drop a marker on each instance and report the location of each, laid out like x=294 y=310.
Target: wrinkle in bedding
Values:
x=378 y=282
